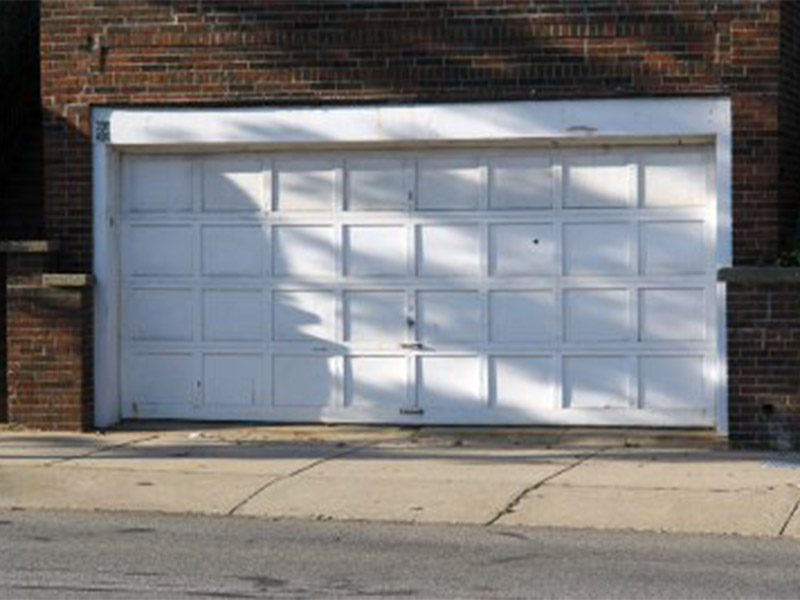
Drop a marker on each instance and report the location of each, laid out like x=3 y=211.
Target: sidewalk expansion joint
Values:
x=789 y=518
x=295 y=473
x=514 y=502
x=94 y=451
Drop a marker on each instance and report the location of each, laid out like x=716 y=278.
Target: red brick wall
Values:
x=234 y=53
x=50 y=382
x=764 y=364
x=789 y=119
x=149 y=52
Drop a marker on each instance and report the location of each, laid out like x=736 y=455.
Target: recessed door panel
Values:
x=232 y=379
x=303 y=315
x=449 y=184
x=378 y=184
x=597 y=382
x=303 y=251
x=375 y=317
x=160 y=315
x=597 y=315
x=521 y=250
x=157 y=185
x=377 y=381
x=232 y=185
x=597 y=249
x=303 y=381
x=449 y=382
x=158 y=251
x=598 y=180
x=521 y=183
x=305 y=186
x=673 y=248
x=448 y=251
x=376 y=251
x=161 y=378
x=675 y=178
x=233 y=315
x=523 y=383
x=233 y=250
x=520 y=316
x=449 y=317
x=672 y=314
x=668 y=383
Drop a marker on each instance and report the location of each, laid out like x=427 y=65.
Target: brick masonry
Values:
x=239 y=53
x=763 y=361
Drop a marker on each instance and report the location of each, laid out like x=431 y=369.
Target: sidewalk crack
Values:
x=788 y=520
x=514 y=502
x=295 y=473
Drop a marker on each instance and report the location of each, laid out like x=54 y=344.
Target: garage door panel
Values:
x=670 y=383
x=599 y=180
x=673 y=247
x=158 y=184
x=306 y=186
x=375 y=316
x=521 y=183
x=448 y=250
x=380 y=184
x=560 y=285
x=234 y=250
x=522 y=250
x=233 y=185
x=597 y=315
x=449 y=316
x=161 y=378
x=303 y=251
x=159 y=314
x=304 y=380
x=673 y=314
x=232 y=379
x=597 y=382
x=376 y=251
x=449 y=184
x=675 y=178
x=597 y=249
x=449 y=382
x=158 y=250
x=377 y=382
x=303 y=315
x=233 y=315
x=522 y=383
x=519 y=316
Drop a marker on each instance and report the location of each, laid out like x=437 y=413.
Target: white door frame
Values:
x=509 y=124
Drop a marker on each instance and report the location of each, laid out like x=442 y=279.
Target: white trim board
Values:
x=509 y=121
x=583 y=122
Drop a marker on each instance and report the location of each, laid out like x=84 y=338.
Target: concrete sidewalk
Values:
x=664 y=481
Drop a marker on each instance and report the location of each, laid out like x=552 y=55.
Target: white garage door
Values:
x=539 y=286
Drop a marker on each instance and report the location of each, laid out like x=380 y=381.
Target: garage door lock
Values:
x=412 y=411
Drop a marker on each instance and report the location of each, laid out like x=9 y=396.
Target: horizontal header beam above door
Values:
x=500 y=122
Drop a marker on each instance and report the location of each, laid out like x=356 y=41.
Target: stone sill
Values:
x=27 y=246
x=67 y=280
x=751 y=275
x=52 y=280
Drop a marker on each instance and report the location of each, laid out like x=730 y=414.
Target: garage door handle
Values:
x=412 y=345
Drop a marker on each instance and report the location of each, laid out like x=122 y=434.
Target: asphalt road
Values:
x=101 y=555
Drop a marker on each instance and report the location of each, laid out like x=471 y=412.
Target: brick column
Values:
x=764 y=357
x=49 y=342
